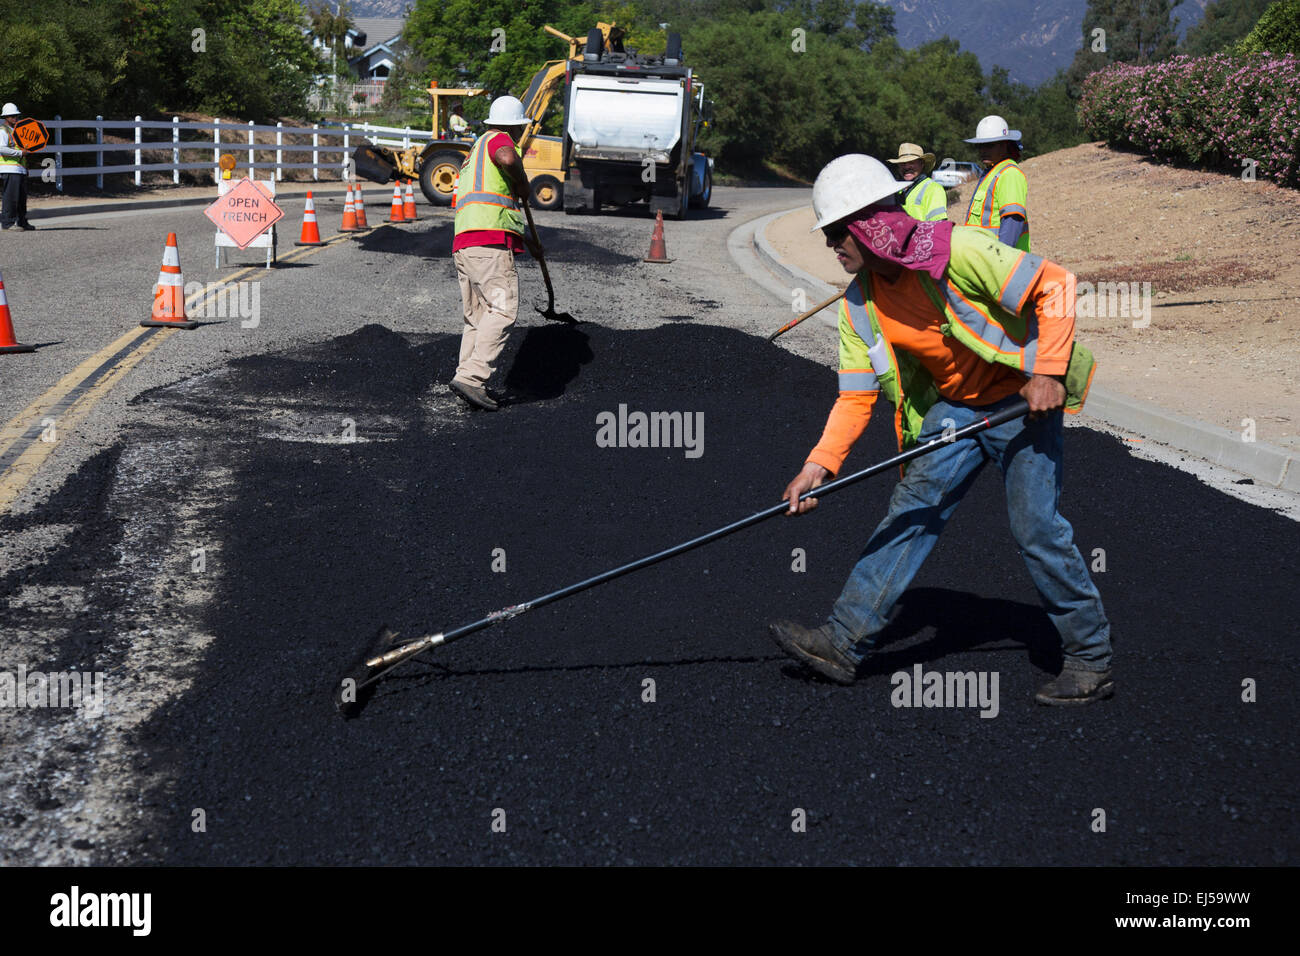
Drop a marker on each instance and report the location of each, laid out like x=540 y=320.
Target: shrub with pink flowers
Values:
x=1216 y=111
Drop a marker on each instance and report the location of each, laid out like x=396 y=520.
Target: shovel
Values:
x=549 y=312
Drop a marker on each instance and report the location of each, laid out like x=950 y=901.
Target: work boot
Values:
x=1076 y=686
x=475 y=395
x=27 y=226
x=813 y=646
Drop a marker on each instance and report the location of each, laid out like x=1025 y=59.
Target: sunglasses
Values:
x=835 y=233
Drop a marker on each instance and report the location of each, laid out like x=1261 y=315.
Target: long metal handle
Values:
x=541 y=260
x=807 y=315
x=424 y=643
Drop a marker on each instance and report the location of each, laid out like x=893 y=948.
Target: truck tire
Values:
x=595 y=43
x=548 y=193
x=706 y=194
x=438 y=173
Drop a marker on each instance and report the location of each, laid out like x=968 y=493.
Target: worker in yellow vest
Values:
x=950 y=326
x=924 y=199
x=13 y=173
x=999 y=203
x=489 y=232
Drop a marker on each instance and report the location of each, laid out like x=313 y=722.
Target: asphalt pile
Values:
x=546 y=718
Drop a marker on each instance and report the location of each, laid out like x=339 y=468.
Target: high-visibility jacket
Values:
x=925 y=200
x=10 y=164
x=983 y=298
x=483 y=197
x=1002 y=191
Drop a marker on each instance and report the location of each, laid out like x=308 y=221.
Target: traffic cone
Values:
x=395 y=214
x=7 y=341
x=408 y=204
x=455 y=184
x=310 y=231
x=658 y=249
x=169 y=294
x=359 y=204
x=349 y=214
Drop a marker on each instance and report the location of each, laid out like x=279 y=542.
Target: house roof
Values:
x=379 y=29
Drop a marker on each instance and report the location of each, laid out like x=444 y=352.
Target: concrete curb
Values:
x=1269 y=464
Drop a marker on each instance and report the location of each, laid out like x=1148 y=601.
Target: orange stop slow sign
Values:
x=31 y=135
x=244 y=213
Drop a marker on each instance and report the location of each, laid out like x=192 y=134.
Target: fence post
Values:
x=252 y=173
x=315 y=144
x=216 y=150
x=137 y=150
x=99 y=156
x=346 y=150
x=176 y=152
x=58 y=154
x=279 y=153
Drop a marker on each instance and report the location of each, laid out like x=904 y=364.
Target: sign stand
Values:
x=256 y=199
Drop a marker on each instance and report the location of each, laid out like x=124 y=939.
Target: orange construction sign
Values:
x=31 y=135
x=244 y=213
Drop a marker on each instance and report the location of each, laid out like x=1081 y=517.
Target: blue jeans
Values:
x=1030 y=456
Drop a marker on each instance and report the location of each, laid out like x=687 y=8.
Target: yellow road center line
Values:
x=22 y=448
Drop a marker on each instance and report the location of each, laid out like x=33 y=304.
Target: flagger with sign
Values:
x=13 y=167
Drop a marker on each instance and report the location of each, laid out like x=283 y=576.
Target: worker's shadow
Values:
x=549 y=358
x=962 y=622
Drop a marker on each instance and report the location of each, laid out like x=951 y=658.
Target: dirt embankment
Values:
x=1222 y=259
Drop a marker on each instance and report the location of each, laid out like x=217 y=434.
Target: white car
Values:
x=950 y=174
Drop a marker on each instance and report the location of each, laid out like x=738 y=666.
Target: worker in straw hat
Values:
x=950 y=326
x=924 y=199
x=489 y=233
x=13 y=173
x=999 y=203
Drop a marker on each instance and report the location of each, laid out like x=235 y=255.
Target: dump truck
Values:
x=437 y=164
x=630 y=127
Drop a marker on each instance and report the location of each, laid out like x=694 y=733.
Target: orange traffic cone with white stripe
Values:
x=395 y=213
x=408 y=204
x=658 y=248
x=455 y=184
x=310 y=230
x=359 y=204
x=169 y=294
x=7 y=341
x=349 y=214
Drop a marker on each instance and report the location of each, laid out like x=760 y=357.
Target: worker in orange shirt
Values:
x=949 y=325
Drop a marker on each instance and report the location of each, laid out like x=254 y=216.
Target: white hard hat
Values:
x=849 y=183
x=507 y=111
x=993 y=129
x=10 y=109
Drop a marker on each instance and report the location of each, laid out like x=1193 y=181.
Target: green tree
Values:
x=1278 y=30
x=1225 y=22
x=61 y=56
x=257 y=61
x=1123 y=31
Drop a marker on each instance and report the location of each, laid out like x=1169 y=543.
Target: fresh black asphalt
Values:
x=542 y=717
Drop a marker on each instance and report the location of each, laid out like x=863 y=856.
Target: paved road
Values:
x=210 y=538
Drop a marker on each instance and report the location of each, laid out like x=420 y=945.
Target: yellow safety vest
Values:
x=483 y=197
x=989 y=327
x=10 y=164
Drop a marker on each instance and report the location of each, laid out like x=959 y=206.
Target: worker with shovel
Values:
x=489 y=232
x=951 y=326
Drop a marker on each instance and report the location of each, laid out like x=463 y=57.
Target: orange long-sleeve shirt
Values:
x=911 y=322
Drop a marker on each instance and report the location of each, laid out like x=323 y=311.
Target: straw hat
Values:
x=910 y=151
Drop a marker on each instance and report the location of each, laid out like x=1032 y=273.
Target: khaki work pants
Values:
x=489 y=291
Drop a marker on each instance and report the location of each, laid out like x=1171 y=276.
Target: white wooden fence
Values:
x=330 y=148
